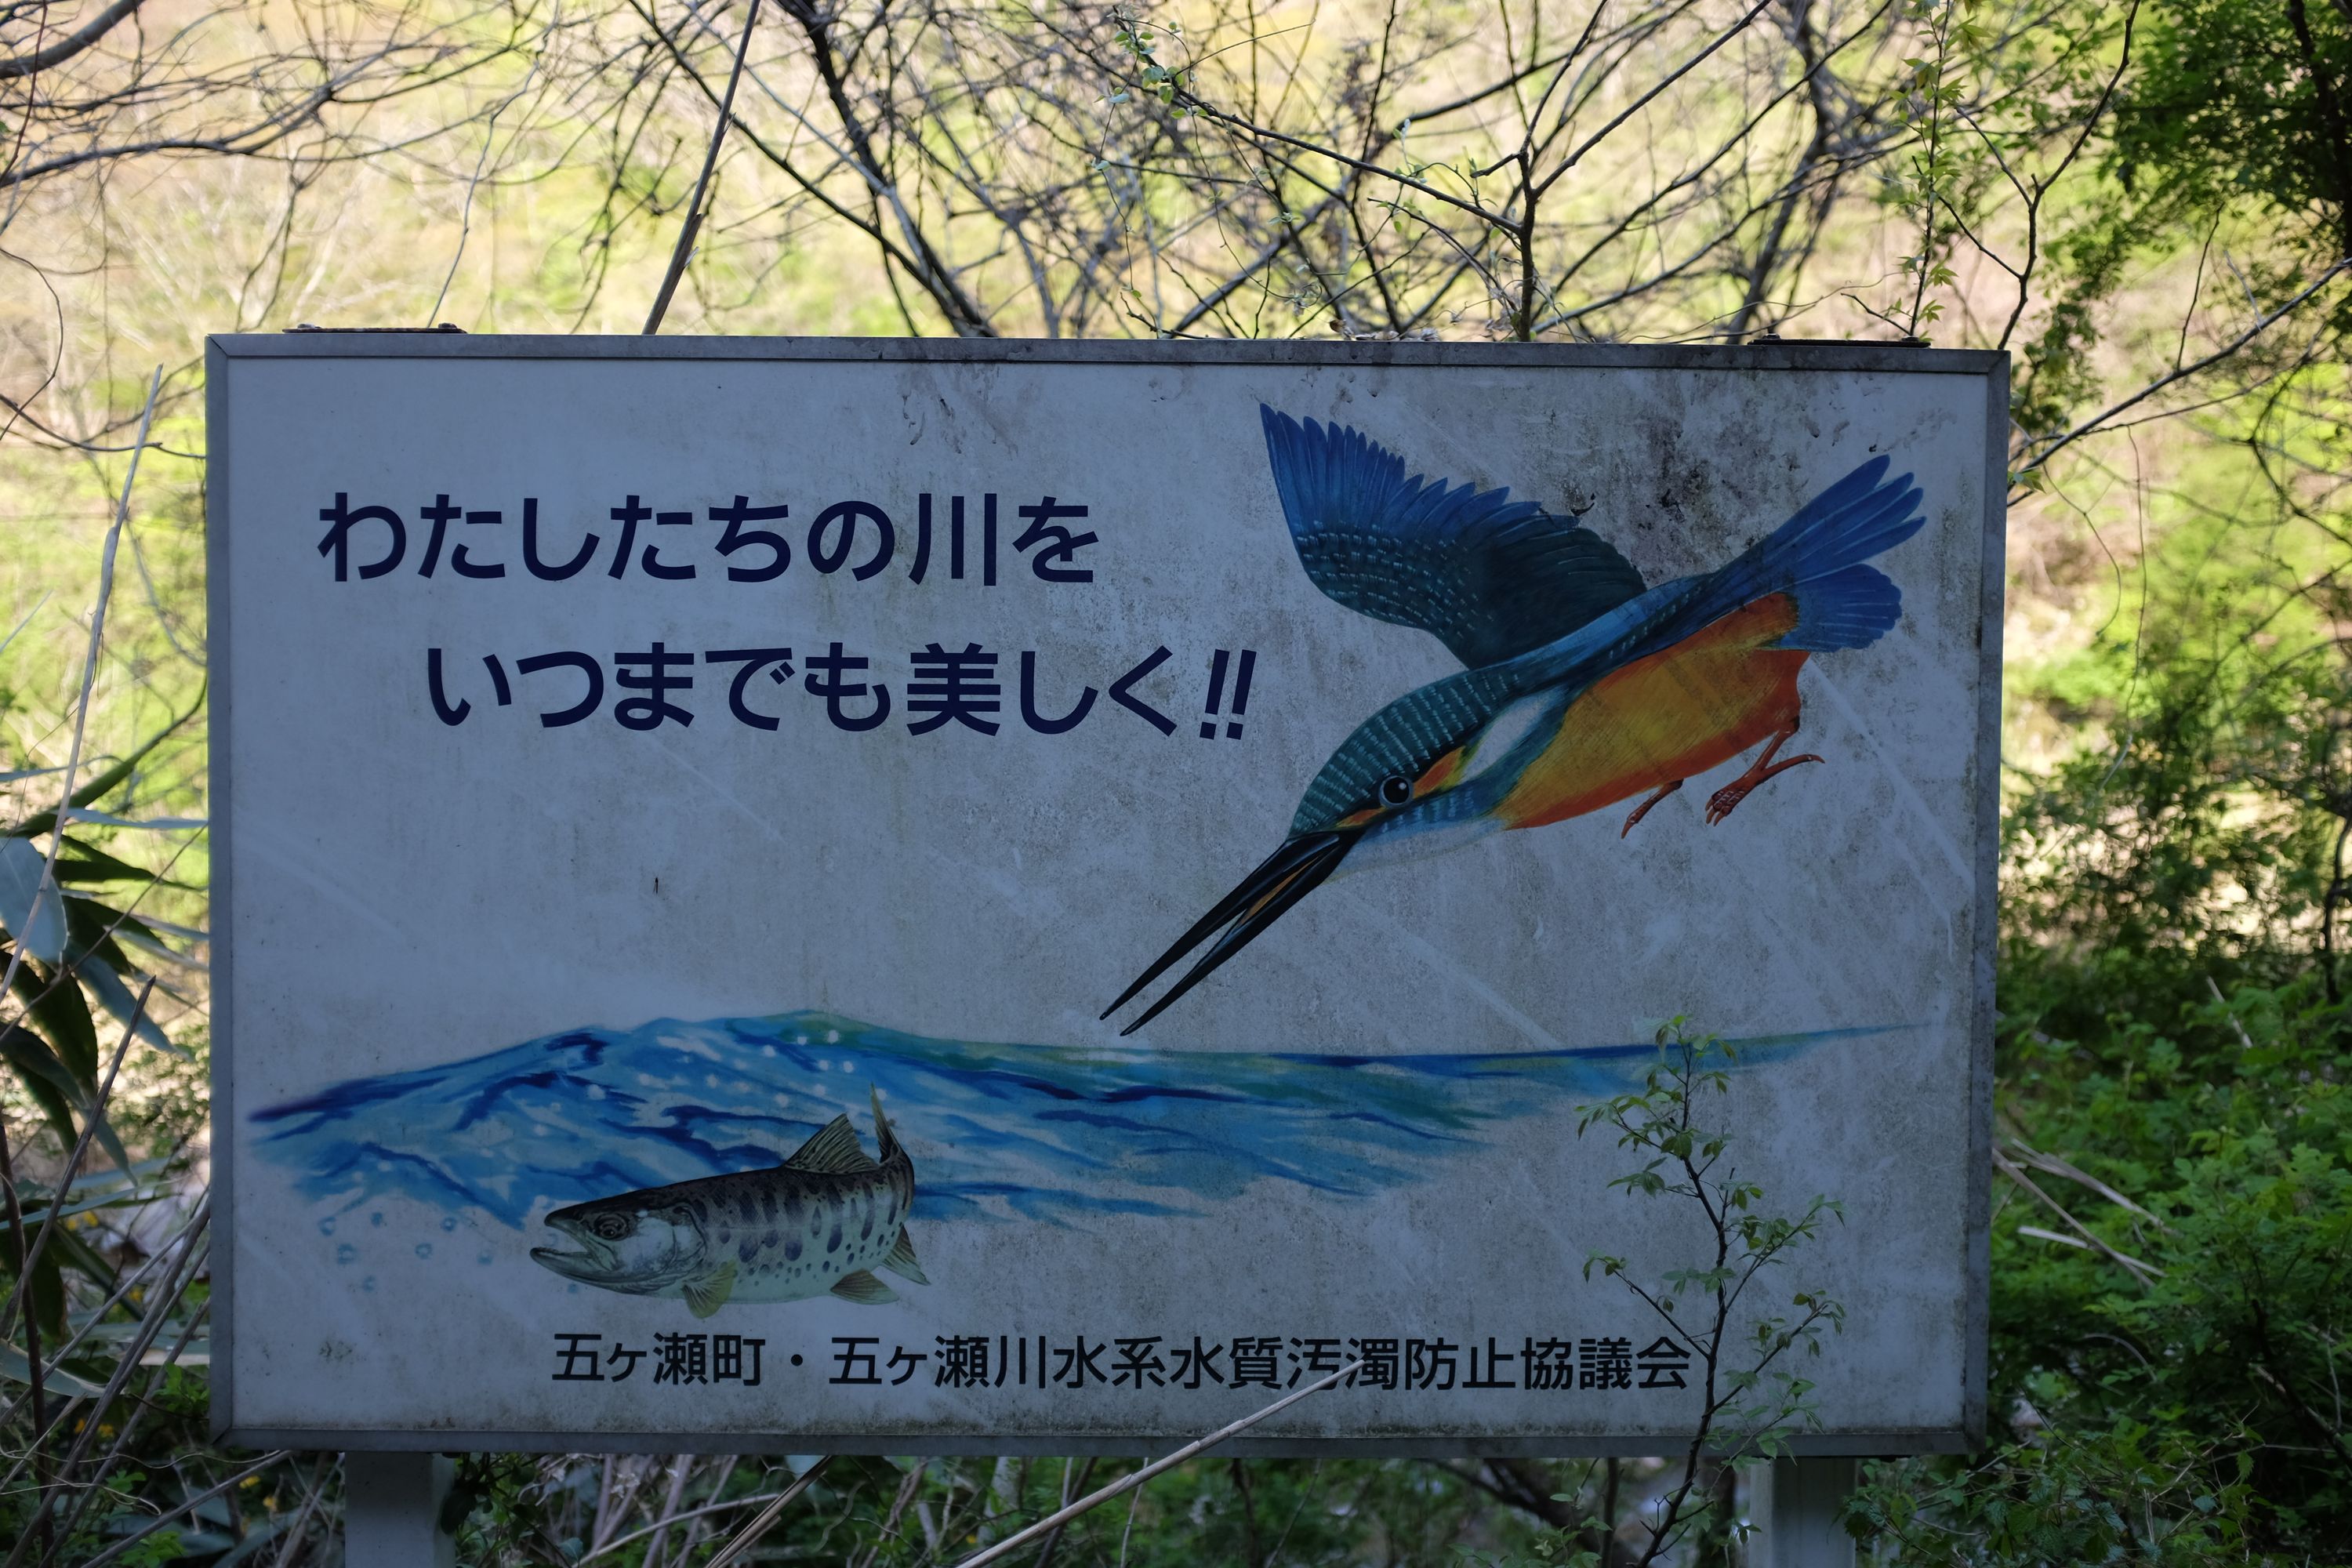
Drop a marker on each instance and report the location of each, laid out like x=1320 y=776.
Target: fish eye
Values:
x=1395 y=790
x=611 y=1226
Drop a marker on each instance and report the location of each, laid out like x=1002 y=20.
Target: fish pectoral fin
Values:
x=833 y=1150
x=706 y=1293
x=901 y=1260
x=862 y=1288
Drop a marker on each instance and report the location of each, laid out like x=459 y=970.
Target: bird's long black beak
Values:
x=1284 y=878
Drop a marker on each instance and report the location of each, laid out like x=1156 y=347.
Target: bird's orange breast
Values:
x=1680 y=711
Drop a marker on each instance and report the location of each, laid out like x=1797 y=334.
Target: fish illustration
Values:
x=821 y=1221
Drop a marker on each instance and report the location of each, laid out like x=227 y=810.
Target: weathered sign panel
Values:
x=899 y=897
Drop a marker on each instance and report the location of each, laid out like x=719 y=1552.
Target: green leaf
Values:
x=89 y=933
x=165 y=1546
x=102 y=1133
x=31 y=906
x=34 y=1060
x=16 y=1367
x=121 y=1005
x=44 y=1078
x=44 y=1297
x=66 y=1248
x=62 y=1017
x=126 y=1198
x=81 y=862
x=149 y=824
x=102 y=783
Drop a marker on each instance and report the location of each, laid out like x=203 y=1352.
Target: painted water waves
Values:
x=999 y=1131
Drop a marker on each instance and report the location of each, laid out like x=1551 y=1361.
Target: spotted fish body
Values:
x=820 y=1223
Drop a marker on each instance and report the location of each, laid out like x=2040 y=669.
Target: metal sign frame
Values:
x=227 y=354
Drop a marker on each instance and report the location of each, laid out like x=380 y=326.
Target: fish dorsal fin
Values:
x=862 y=1288
x=706 y=1293
x=834 y=1151
x=901 y=1260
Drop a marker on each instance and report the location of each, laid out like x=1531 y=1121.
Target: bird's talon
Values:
x=1643 y=810
x=1721 y=803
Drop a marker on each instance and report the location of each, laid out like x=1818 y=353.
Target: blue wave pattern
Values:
x=998 y=1132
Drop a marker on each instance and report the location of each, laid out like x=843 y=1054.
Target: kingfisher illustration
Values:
x=1582 y=686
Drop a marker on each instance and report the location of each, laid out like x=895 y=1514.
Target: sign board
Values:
x=1028 y=897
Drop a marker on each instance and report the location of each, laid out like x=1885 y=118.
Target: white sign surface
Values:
x=684 y=810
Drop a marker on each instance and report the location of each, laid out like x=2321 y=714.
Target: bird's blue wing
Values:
x=1489 y=576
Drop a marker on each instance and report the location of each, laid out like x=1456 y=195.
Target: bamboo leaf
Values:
x=83 y=862
x=67 y=1248
x=107 y=779
x=31 y=907
x=157 y=824
x=44 y=1078
x=16 y=1368
x=62 y=1017
x=122 y=1007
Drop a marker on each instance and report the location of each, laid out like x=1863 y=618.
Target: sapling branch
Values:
x=1687 y=1160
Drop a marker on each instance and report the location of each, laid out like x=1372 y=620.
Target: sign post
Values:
x=1798 y=1526
x=391 y=1510
x=1031 y=898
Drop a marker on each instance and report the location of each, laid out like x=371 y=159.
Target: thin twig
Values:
x=48 y=888
x=617 y=1543
x=1054 y=1540
x=2058 y=1167
x=752 y=1532
x=1129 y=1482
x=464 y=219
x=2145 y=1273
x=311 y=1495
x=66 y=48
x=73 y=1161
x=2262 y=324
x=678 y=258
x=1590 y=142
x=48 y=882
x=276 y=1456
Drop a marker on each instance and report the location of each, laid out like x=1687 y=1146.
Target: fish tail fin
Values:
x=885 y=1140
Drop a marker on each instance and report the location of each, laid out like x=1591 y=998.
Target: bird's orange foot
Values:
x=1720 y=803
x=1643 y=810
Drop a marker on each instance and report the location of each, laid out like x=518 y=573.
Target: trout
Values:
x=821 y=1222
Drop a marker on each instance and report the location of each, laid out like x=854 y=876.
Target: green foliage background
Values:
x=2144 y=200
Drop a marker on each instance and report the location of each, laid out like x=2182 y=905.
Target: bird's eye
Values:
x=611 y=1226
x=1395 y=790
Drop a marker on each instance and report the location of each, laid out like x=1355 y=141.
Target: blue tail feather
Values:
x=1816 y=557
x=1852 y=608
x=1859 y=516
